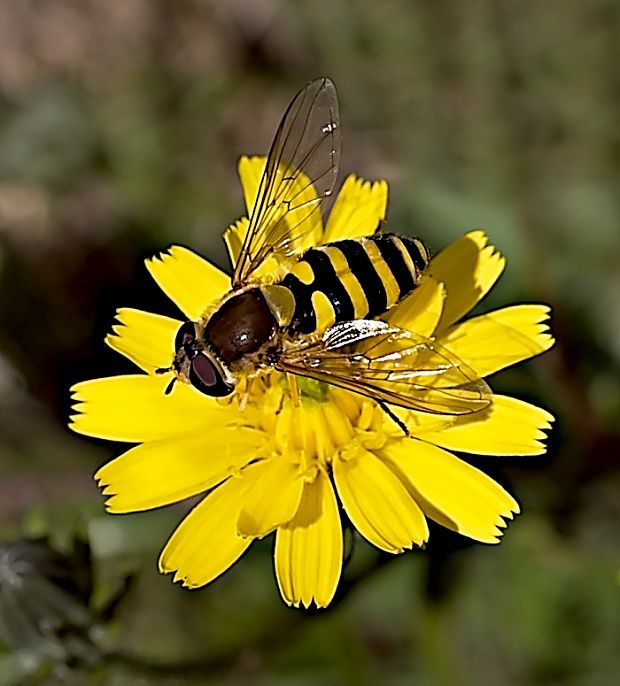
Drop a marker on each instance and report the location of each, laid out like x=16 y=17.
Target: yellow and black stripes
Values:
x=353 y=279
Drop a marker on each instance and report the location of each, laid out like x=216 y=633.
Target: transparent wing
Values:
x=300 y=173
x=392 y=365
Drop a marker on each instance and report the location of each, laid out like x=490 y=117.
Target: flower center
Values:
x=321 y=424
x=311 y=388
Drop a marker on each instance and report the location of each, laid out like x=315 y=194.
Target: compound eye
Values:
x=185 y=335
x=206 y=377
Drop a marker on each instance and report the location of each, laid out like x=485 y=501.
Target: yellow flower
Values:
x=267 y=464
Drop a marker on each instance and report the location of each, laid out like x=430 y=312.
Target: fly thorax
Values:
x=242 y=325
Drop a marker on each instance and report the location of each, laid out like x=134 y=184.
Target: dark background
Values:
x=120 y=126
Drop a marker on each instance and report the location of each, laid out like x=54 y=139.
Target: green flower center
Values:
x=313 y=389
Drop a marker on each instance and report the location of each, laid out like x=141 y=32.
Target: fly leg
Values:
x=245 y=395
x=393 y=417
x=293 y=389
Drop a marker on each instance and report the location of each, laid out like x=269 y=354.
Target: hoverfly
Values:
x=320 y=319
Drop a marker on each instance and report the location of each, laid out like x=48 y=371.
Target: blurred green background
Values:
x=120 y=126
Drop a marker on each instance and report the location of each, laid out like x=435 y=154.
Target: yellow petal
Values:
x=134 y=408
x=508 y=427
x=421 y=311
x=250 y=170
x=206 y=543
x=468 y=268
x=450 y=491
x=303 y=224
x=377 y=503
x=273 y=499
x=499 y=339
x=358 y=211
x=191 y=282
x=233 y=237
x=168 y=470
x=308 y=552
x=146 y=339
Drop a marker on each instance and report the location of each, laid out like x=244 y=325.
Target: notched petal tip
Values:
x=250 y=159
x=544 y=308
x=158 y=258
x=481 y=239
x=178 y=577
x=169 y=254
x=479 y=236
x=188 y=279
x=545 y=335
x=505 y=517
x=113 y=339
x=75 y=424
x=102 y=483
x=469 y=268
x=511 y=514
x=110 y=508
x=358 y=210
x=76 y=389
x=144 y=338
x=365 y=185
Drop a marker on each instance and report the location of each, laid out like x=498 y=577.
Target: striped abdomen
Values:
x=353 y=279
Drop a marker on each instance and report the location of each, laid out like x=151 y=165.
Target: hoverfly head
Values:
x=196 y=364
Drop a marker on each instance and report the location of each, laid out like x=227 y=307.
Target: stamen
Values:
x=312 y=422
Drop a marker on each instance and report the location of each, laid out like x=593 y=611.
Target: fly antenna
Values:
x=170 y=386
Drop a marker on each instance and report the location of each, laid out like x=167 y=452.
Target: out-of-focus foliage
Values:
x=48 y=619
x=120 y=126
